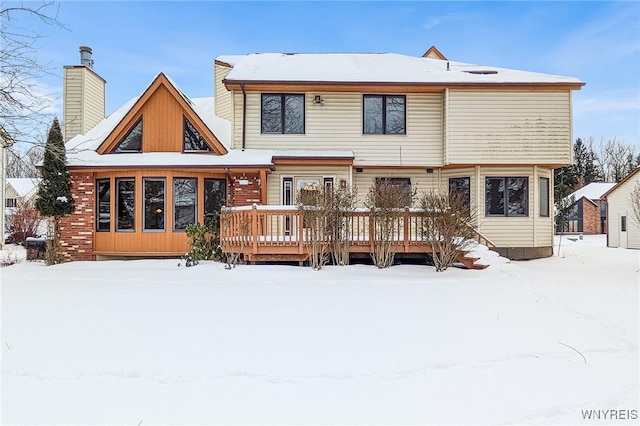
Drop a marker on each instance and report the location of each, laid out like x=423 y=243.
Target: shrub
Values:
x=204 y=241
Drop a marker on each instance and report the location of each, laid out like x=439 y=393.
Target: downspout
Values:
x=244 y=115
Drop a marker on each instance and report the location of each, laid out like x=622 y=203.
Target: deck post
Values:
x=406 y=230
x=254 y=227
x=372 y=232
x=300 y=231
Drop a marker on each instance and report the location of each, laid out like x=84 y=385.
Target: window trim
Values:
x=282 y=113
x=98 y=182
x=117 y=205
x=505 y=206
x=144 y=204
x=384 y=113
x=173 y=196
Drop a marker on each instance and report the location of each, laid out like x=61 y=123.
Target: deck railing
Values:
x=281 y=231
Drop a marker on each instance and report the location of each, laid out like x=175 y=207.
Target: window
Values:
x=462 y=186
x=328 y=184
x=506 y=196
x=287 y=191
x=103 y=207
x=384 y=114
x=153 y=198
x=215 y=196
x=193 y=140
x=544 y=197
x=11 y=202
x=623 y=223
x=125 y=204
x=185 y=195
x=132 y=142
x=282 y=113
x=402 y=185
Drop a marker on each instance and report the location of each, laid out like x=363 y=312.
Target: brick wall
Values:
x=590 y=218
x=76 y=230
x=245 y=191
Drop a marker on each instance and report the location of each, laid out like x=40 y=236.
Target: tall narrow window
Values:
x=215 y=196
x=125 y=204
x=193 y=140
x=103 y=205
x=132 y=142
x=506 y=196
x=544 y=196
x=384 y=114
x=185 y=194
x=154 y=210
x=461 y=186
x=623 y=223
x=287 y=200
x=282 y=113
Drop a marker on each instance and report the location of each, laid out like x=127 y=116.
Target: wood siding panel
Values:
x=222 y=95
x=162 y=126
x=337 y=125
x=274 y=180
x=139 y=240
x=514 y=127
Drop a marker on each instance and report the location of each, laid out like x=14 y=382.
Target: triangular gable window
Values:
x=132 y=142
x=193 y=140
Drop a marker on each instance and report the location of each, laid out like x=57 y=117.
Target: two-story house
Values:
x=282 y=122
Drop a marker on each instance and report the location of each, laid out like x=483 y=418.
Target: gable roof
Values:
x=434 y=53
x=161 y=80
x=379 y=68
x=592 y=191
x=24 y=187
x=622 y=182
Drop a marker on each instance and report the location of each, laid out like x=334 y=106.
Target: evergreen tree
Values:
x=54 y=192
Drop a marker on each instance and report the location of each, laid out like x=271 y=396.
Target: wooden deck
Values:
x=277 y=233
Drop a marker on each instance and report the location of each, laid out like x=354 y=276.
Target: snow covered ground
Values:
x=146 y=342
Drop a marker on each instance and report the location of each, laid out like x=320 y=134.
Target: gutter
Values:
x=244 y=115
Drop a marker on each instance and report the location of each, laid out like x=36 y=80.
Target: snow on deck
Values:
x=148 y=342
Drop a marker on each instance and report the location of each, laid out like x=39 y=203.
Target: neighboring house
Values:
x=623 y=229
x=5 y=142
x=19 y=191
x=283 y=122
x=588 y=212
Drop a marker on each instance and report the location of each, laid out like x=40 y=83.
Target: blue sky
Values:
x=597 y=42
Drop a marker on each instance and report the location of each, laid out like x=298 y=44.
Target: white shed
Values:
x=623 y=228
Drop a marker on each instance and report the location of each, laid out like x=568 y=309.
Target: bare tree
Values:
x=616 y=159
x=23 y=221
x=634 y=201
x=24 y=106
x=23 y=164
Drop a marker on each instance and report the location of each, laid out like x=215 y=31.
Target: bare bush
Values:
x=23 y=222
x=449 y=224
x=340 y=204
x=233 y=257
x=386 y=201
x=314 y=205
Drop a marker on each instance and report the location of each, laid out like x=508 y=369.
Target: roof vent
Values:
x=482 y=72
x=85 y=56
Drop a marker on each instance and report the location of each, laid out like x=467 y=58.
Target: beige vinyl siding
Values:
x=222 y=95
x=337 y=125
x=420 y=179
x=84 y=101
x=544 y=226
x=529 y=231
x=274 y=186
x=72 y=108
x=94 y=101
x=618 y=203
x=509 y=126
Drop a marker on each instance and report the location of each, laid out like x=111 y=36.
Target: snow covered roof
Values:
x=24 y=186
x=375 y=68
x=230 y=59
x=592 y=191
